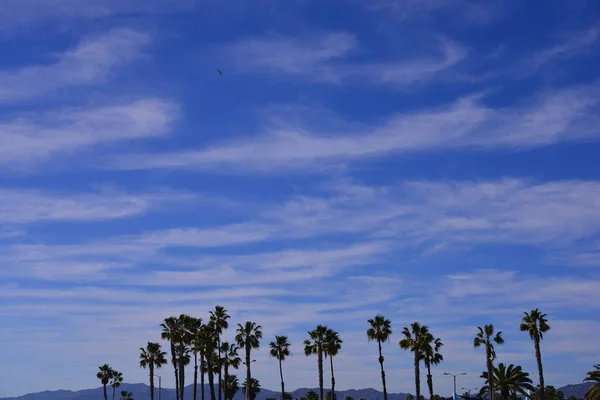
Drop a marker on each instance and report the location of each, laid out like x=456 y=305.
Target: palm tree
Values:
x=431 y=357
x=333 y=344
x=125 y=395
x=485 y=337
x=316 y=345
x=230 y=359
x=210 y=357
x=199 y=348
x=184 y=358
x=380 y=330
x=115 y=382
x=193 y=327
x=152 y=357
x=219 y=318
x=536 y=324
x=593 y=392
x=253 y=386
x=231 y=386
x=187 y=325
x=105 y=375
x=172 y=332
x=508 y=380
x=248 y=337
x=415 y=340
x=280 y=349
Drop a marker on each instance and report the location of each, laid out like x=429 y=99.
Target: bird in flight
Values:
x=220 y=72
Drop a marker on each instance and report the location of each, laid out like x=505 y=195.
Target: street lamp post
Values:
x=159 y=385
x=454 y=376
x=247 y=394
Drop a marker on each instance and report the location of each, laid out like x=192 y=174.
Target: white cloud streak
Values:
x=29 y=206
x=90 y=63
x=382 y=222
x=472 y=12
x=324 y=58
x=32 y=139
x=575 y=44
x=566 y=115
x=20 y=13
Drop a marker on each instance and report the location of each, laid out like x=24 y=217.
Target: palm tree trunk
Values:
x=332 y=379
x=490 y=368
x=281 y=376
x=429 y=380
x=211 y=378
x=181 y=370
x=113 y=398
x=219 y=351
x=320 y=366
x=538 y=357
x=181 y=378
x=248 y=373
x=151 y=369
x=225 y=381
x=417 y=377
x=202 y=395
x=382 y=371
x=195 y=375
x=174 y=361
x=105 y=395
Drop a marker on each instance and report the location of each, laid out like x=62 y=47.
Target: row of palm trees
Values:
x=109 y=376
x=191 y=338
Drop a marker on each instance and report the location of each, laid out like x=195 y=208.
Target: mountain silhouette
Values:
x=141 y=391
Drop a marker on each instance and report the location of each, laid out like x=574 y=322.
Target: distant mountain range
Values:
x=141 y=391
x=576 y=390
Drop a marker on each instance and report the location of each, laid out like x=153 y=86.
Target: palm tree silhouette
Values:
x=218 y=318
x=536 y=324
x=316 y=345
x=593 y=393
x=248 y=337
x=105 y=375
x=508 y=380
x=380 y=330
x=431 y=357
x=280 y=349
x=333 y=344
x=115 y=382
x=152 y=357
x=415 y=340
x=485 y=337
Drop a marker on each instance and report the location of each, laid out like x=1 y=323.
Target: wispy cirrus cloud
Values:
x=574 y=44
x=91 y=62
x=469 y=11
x=295 y=56
x=30 y=139
x=19 y=13
x=556 y=116
x=327 y=58
x=19 y=206
x=379 y=222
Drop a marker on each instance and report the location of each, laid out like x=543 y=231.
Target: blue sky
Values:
x=431 y=160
